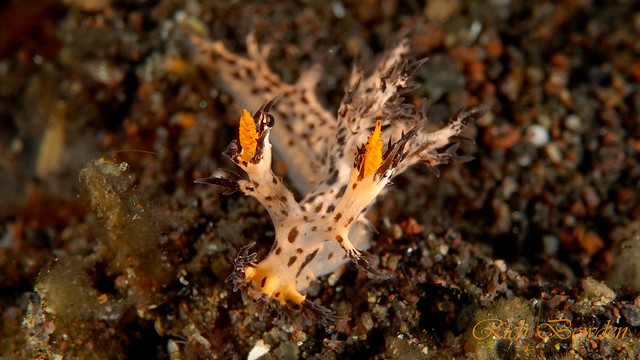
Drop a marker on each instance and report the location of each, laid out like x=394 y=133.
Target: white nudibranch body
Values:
x=339 y=164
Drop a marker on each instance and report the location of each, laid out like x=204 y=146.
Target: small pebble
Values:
x=553 y=153
x=367 y=321
x=500 y=264
x=573 y=122
x=259 y=349
x=537 y=135
x=550 y=244
x=440 y=10
x=594 y=289
x=631 y=314
x=509 y=186
x=396 y=231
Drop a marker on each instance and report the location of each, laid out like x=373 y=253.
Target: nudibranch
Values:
x=338 y=164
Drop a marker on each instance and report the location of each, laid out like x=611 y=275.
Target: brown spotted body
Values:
x=339 y=164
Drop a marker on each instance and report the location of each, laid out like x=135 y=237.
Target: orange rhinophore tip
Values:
x=372 y=158
x=248 y=135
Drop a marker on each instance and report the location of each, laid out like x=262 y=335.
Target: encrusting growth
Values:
x=339 y=167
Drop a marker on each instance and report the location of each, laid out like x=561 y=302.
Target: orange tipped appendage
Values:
x=248 y=135
x=270 y=285
x=372 y=158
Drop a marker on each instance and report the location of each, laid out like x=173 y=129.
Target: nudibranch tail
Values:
x=372 y=157
x=248 y=135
